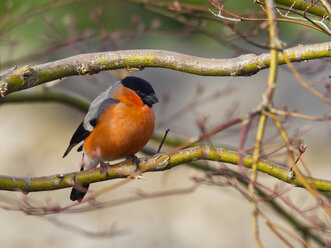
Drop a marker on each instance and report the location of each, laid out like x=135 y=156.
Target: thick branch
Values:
x=85 y=64
x=304 y=6
x=160 y=163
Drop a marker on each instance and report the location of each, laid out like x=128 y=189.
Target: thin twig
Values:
x=164 y=137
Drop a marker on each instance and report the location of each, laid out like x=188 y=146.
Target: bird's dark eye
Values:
x=141 y=94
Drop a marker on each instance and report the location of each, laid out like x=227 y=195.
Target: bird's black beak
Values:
x=151 y=99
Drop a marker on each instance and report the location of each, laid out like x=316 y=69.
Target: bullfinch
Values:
x=119 y=122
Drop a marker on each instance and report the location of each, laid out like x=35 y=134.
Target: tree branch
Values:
x=155 y=163
x=91 y=63
x=304 y=6
x=47 y=95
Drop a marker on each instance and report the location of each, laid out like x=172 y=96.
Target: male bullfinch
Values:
x=119 y=122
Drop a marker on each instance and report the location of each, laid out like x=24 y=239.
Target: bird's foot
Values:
x=135 y=160
x=103 y=167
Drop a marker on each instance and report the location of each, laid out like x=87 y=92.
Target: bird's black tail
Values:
x=78 y=195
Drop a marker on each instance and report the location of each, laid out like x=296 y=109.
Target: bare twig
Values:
x=275 y=45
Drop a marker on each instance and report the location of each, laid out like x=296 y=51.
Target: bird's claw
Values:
x=103 y=168
x=135 y=160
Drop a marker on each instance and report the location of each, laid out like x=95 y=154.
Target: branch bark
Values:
x=91 y=63
x=48 y=95
x=304 y=6
x=155 y=163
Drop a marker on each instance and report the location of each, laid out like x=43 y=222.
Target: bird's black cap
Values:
x=143 y=89
x=138 y=85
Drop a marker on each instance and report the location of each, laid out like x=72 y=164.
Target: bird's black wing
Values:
x=80 y=134
x=91 y=118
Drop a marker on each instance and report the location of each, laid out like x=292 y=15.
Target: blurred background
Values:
x=35 y=135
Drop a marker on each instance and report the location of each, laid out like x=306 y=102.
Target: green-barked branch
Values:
x=86 y=64
x=48 y=95
x=155 y=163
x=304 y=6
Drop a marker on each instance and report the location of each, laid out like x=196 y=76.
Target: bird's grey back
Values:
x=98 y=105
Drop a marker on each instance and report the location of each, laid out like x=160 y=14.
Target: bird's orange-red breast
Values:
x=119 y=122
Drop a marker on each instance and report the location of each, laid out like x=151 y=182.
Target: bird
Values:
x=118 y=124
